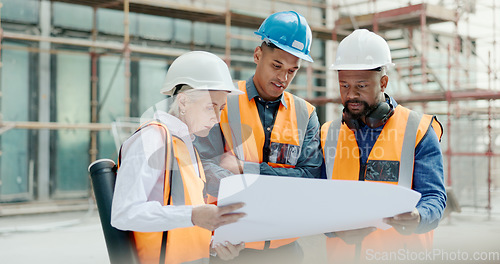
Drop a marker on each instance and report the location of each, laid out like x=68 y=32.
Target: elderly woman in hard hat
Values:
x=160 y=181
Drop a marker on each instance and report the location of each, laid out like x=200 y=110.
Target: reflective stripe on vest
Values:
x=416 y=125
x=408 y=150
x=184 y=245
x=244 y=134
x=234 y=119
x=399 y=145
x=246 y=139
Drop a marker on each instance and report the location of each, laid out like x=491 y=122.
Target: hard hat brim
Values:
x=358 y=67
x=169 y=91
x=294 y=52
x=199 y=70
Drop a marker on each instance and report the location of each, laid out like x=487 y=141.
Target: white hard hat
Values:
x=362 y=50
x=199 y=70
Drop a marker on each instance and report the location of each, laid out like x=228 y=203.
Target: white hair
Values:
x=383 y=70
x=191 y=95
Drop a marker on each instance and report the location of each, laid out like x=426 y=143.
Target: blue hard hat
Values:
x=289 y=31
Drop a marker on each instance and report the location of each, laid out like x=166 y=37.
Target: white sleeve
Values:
x=138 y=197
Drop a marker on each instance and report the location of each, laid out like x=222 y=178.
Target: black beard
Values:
x=367 y=109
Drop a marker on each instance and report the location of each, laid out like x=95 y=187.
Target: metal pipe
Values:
x=94 y=103
x=64 y=41
x=54 y=125
x=1 y=37
x=244 y=37
x=1 y=40
x=310 y=76
x=228 y=34
x=456 y=52
x=93 y=44
x=476 y=154
x=411 y=58
x=451 y=96
x=423 y=56
x=298 y=2
x=448 y=121
x=375 y=17
x=490 y=137
x=126 y=57
x=309 y=12
x=494 y=63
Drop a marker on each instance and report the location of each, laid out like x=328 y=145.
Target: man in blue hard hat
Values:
x=267 y=130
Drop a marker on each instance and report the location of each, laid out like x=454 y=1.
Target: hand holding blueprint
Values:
x=285 y=207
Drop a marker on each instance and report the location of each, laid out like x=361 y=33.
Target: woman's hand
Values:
x=210 y=217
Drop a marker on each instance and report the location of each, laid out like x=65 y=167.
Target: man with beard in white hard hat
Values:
x=378 y=140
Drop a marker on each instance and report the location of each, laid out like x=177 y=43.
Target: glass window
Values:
x=246 y=73
x=111 y=102
x=151 y=76
x=20 y=10
x=217 y=35
x=317 y=50
x=72 y=16
x=300 y=81
x=236 y=43
x=111 y=22
x=200 y=33
x=247 y=44
x=14 y=171
x=182 y=30
x=71 y=156
x=155 y=27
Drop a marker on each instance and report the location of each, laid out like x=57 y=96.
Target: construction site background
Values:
x=76 y=75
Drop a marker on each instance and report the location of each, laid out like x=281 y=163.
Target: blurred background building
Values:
x=69 y=69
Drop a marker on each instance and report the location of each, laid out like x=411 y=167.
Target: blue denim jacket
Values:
x=428 y=175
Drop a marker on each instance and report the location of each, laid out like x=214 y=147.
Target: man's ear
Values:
x=384 y=80
x=257 y=54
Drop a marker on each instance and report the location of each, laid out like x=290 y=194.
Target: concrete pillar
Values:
x=43 y=177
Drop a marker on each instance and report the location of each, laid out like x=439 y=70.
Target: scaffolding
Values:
x=412 y=29
x=227 y=13
x=450 y=85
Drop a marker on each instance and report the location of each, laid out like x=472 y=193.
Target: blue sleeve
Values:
x=210 y=149
x=428 y=179
x=310 y=159
x=323 y=170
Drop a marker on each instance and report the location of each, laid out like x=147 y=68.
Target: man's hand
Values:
x=355 y=236
x=231 y=163
x=228 y=251
x=405 y=223
x=210 y=217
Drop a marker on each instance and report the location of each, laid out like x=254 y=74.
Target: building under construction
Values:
x=71 y=69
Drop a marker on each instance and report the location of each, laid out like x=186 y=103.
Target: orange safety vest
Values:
x=396 y=143
x=244 y=134
x=184 y=245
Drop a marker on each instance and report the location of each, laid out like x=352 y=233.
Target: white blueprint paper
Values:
x=285 y=207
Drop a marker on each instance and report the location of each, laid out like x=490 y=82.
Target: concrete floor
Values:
x=76 y=237
x=52 y=238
